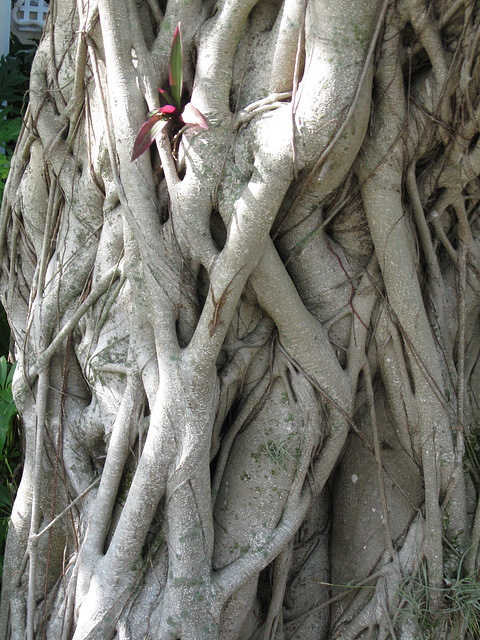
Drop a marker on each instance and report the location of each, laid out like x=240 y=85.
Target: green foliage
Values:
x=14 y=75
x=9 y=130
x=460 y=613
x=278 y=452
x=4 y=333
x=9 y=449
x=7 y=406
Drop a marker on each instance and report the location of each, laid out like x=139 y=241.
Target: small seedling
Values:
x=157 y=119
x=278 y=452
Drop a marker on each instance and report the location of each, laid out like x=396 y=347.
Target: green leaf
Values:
x=13 y=82
x=3 y=437
x=3 y=371
x=8 y=409
x=6 y=395
x=10 y=373
x=5 y=496
x=167 y=98
x=9 y=129
x=175 y=73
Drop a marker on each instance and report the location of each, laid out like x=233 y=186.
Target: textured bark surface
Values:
x=248 y=363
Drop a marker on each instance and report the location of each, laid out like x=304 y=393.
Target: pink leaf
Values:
x=191 y=115
x=149 y=131
x=168 y=110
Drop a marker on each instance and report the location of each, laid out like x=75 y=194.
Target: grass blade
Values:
x=175 y=72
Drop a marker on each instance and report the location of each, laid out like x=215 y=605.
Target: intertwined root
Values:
x=247 y=374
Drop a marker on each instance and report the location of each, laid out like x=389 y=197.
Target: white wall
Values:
x=5 y=9
x=26 y=19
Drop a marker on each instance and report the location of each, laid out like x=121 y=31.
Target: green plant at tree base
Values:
x=460 y=615
x=9 y=450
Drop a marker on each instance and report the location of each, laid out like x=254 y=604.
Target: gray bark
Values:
x=248 y=362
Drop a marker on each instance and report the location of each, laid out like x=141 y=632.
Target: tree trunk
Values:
x=248 y=361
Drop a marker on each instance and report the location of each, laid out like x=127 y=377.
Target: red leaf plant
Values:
x=157 y=119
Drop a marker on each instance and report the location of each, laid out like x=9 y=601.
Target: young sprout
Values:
x=157 y=119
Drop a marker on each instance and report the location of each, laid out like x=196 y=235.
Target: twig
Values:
x=42 y=396
x=117 y=453
x=378 y=459
x=422 y=226
x=156 y=11
x=66 y=510
x=249 y=410
x=58 y=449
x=348 y=590
x=462 y=284
x=296 y=73
x=273 y=101
x=98 y=290
x=218 y=304
x=281 y=568
x=12 y=276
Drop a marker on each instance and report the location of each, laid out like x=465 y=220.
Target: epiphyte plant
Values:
x=157 y=119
